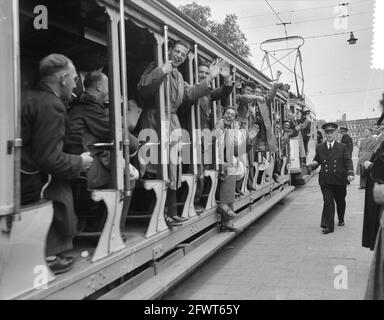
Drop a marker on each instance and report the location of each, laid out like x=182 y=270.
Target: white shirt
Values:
x=330 y=144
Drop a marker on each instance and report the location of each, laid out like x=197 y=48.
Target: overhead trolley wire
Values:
x=312 y=20
x=323 y=35
x=301 y=10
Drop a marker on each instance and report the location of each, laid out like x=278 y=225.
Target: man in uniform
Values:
x=346 y=139
x=336 y=170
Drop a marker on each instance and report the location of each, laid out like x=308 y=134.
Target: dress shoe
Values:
x=226 y=211
x=327 y=230
x=229 y=227
x=179 y=219
x=172 y=223
x=60 y=264
x=251 y=189
x=199 y=210
x=341 y=223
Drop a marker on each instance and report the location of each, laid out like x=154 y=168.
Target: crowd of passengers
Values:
x=59 y=141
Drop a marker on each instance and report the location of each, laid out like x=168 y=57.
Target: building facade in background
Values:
x=356 y=127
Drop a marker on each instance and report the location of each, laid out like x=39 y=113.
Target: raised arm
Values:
x=150 y=81
x=226 y=89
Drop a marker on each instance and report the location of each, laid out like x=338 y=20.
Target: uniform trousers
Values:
x=332 y=194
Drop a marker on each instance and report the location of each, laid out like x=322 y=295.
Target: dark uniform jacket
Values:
x=372 y=210
x=88 y=123
x=336 y=164
x=43 y=122
x=347 y=140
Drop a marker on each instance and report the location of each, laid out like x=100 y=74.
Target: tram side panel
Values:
x=8 y=85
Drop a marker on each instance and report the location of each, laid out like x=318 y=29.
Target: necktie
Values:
x=329 y=146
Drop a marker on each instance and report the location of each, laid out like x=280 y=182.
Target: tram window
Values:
x=76 y=29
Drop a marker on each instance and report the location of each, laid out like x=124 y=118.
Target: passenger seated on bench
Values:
x=88 y=123
x=43 y=123
x=232 y=169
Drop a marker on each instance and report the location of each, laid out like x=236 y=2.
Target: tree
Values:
x=200 y=14
x=228 y=31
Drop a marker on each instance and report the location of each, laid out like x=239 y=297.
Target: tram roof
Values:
x=163 y=12
x=201 y=29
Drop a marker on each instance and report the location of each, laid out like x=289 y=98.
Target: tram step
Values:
x=160 y=284
x=139 y=217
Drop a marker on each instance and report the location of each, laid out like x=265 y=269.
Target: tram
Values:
x=133 y=254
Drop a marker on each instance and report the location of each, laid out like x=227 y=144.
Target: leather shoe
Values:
x=327 y=230
x=179 y=219
x=226 y=211
x=60 y=264
x=341 y=223
x=251 y=189
x=199 y=210
x=171 y=222
x=229 y=227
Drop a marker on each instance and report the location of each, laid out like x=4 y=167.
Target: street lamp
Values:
x=352 y=39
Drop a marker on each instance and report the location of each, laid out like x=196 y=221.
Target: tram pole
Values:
x=167 y=94
x=198 y=172
x=123 y=57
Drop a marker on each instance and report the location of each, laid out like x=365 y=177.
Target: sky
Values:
x=338 y=76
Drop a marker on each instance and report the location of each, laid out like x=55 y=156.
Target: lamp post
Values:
x=352 y=40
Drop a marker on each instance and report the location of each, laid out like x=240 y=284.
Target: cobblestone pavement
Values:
x=284 y=255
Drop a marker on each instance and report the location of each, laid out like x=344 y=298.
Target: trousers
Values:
x=332 y=194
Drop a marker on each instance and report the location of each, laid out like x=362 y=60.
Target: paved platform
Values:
x=284 y=255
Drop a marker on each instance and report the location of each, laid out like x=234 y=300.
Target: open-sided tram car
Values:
x=133 y=254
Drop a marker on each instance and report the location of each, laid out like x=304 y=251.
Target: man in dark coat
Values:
x=43 y=122
x=372 y=210
x=180 y=92
x=88 y=123
x=375 y=287
x=336 y=169
x=320 y=138
x=346 y=139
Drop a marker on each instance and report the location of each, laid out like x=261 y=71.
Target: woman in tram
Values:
x=180 y=91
